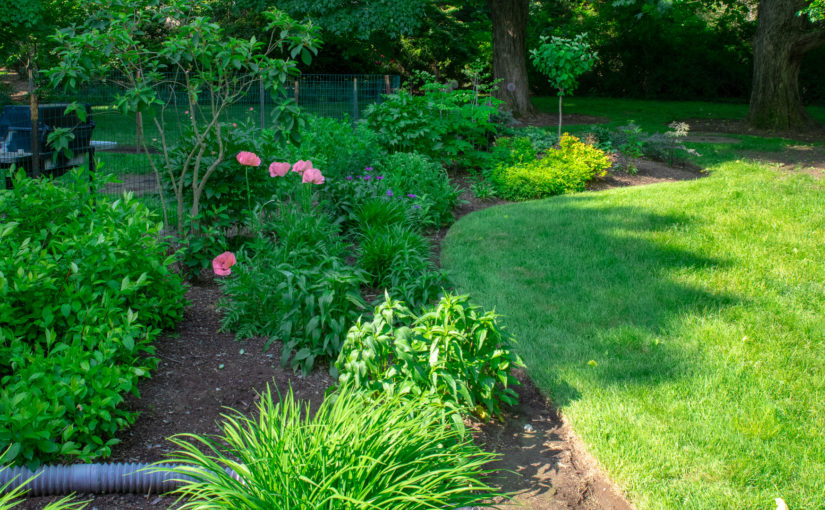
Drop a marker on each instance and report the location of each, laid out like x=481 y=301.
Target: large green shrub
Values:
x=355 y=452
x=443 y=123
x=336 y=146
x=85 y=287
x=561 y=170
x=453 y=351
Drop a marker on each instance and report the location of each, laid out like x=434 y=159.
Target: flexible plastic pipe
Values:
x=91 y=478
x=99 y=478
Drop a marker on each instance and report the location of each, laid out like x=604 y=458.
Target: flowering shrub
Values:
x=85 y=287
x=561 y=170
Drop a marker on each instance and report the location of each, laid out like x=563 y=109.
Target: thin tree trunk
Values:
x=509 y=18
x=560 y=98
x=781 y=41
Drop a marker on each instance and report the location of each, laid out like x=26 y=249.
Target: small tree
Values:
x=563 y=60
x=165 y=45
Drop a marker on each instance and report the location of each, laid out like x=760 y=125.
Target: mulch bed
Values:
x=202 y=372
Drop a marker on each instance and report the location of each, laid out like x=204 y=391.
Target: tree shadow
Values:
x=605 y=286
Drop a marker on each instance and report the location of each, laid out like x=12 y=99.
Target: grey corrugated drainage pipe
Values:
x=99 y=479
x=92 y=478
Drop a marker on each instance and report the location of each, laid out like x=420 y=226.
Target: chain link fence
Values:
x=340 y=96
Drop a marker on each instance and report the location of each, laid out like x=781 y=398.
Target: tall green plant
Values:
x=159 y=46
x=563 y=60
x=355 y=452
x=453 y=351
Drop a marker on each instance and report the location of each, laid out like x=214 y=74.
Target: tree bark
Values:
x=782 y=39
x=509 y=19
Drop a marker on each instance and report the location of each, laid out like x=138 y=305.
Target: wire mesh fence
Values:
x=341 y=96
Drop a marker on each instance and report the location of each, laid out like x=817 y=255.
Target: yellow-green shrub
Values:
x=561 y=170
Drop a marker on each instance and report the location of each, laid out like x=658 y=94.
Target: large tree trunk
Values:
x=782 y=39
x=509 y=19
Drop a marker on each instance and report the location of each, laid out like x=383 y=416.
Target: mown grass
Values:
x=652 y=115
x=679 y=326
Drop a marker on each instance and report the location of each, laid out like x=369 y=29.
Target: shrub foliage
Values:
x=85 y=287
x=561 y=170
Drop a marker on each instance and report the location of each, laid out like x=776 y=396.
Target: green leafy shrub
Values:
x=454 y=351
x=561 y=170
x=343 y=198
x=85 y=286
x=354 y=452
x=424 y=183
x=308 y=234
x=443 y=123
x=541 y=140
x=629 y=143
x=302 y=299
x=336 y=146
x=507 y=150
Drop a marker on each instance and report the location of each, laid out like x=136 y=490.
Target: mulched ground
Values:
x=189 y=391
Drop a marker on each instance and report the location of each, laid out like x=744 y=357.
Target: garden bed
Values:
x=202 y=372
x=189 y=392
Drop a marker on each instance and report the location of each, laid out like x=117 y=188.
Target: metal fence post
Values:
x=355 y=99
x=261 y=100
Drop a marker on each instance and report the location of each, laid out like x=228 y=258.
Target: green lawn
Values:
x=652 y=115
x=679 y=326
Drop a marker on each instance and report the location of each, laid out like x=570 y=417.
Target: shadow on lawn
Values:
x=588 y=286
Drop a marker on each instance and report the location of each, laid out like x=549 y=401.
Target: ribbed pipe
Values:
x=92 y=478
x=120 y=478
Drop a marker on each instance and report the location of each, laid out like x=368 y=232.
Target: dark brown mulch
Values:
x=189 y=390
x=201 y=373
x=648 y=172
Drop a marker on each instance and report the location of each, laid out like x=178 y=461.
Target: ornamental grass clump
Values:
x=355 y=452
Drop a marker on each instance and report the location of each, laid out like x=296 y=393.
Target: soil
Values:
x=189 y=390
x=647 y=172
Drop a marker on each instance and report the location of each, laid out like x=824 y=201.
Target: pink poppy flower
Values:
x=301 y=166
x=222 y=263
x=312 y=175
x=248 y=158
x=251 y=109
x=234 y=125
x=278 y=169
